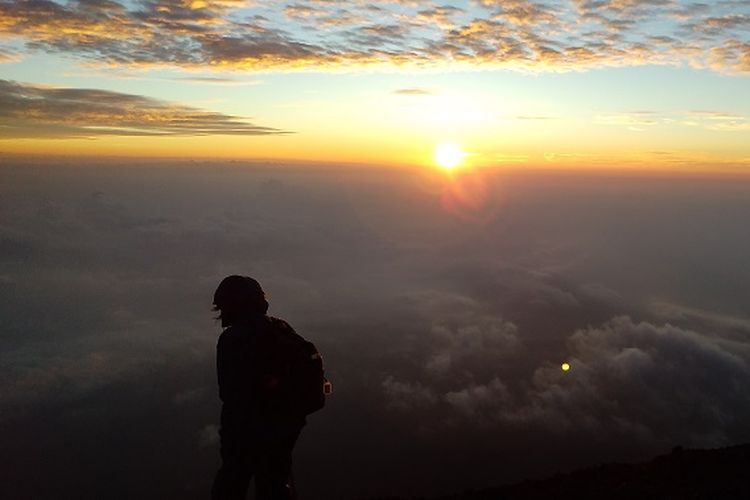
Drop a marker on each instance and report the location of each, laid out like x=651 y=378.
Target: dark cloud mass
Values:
x=532 y=35
x=35 y=111
x=443 y=321
x=621 y=384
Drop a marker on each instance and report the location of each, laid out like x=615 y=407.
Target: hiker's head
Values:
x=238 y=297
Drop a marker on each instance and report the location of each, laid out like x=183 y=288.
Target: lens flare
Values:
x=565 y=367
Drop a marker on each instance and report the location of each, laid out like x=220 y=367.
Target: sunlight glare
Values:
x=448 y=156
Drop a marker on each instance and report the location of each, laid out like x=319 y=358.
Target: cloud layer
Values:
x=622 y=382
x=443 y=333
x=49 y=112
x=534 y=35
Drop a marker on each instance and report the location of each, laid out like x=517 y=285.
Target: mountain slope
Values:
x=718 y=474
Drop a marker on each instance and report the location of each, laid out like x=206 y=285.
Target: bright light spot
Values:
x=565 y=367
x=448 y=156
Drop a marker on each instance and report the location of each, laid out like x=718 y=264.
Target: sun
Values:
x=449 y=155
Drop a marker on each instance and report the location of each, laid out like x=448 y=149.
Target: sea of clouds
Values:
x=444 y=306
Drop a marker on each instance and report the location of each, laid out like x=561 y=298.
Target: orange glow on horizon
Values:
x=386 y=150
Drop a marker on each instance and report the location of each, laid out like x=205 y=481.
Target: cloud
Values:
x=635 y=120
x=733 y=55
x=623 y=379
x=522 y=34
x=36 y=111
x=523 y=12
x=715 y=115
x=7 y=55
x=299 y=10
x=428 y=321
x=413 y=91
x=709 y=119
x=717 y=25
x=716 y=120
x=209 y=80
x=463 y=338
x=649 y=382
x=707 y=319
x=408 y=395
x=475 y=399
x=463 y=342
x=443 y=16
x=534 y=117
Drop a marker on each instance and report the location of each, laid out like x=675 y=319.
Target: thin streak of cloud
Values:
x=533 y=117
x=639 y=121
x=715 y=115
x=413 y=91
x=30 y=111
x=205 y=80
x=7 y=55
x=632 y=119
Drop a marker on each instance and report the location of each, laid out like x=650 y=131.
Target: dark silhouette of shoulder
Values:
x=285 y=332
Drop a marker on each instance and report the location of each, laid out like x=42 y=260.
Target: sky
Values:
x=451 y=200
x=576 y=84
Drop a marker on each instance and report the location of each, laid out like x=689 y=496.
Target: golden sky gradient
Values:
x=577 y=84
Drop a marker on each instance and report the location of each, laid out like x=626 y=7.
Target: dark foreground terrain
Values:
x=683 y=474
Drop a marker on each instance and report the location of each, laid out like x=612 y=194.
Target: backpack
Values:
x=304 y=381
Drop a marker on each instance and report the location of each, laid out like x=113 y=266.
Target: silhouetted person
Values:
x=267 y=378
